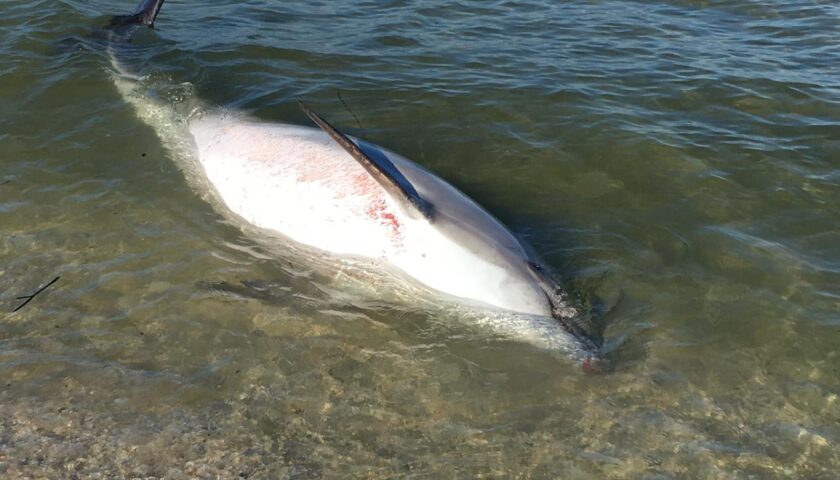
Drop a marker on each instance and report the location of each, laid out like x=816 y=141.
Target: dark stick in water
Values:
x=348 y=109
x=30 y=297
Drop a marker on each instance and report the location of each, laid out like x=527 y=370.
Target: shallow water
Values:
x=676 y=158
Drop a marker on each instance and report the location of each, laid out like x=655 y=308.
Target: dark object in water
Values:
x=146 y=13
x=30 y=297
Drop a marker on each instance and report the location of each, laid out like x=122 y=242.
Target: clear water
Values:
x=681 y=156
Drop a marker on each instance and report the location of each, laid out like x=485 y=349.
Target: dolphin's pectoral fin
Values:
x=378 y=166
x=385 y=166
x=145 y=15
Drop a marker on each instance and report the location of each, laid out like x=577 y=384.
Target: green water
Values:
x=676 y=158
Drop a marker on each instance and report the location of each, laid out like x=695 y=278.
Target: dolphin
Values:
x=340 y=194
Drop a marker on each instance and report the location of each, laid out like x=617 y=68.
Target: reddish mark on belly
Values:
x=356 y=190
x=378 y=211
x=353 y=188
x=316 y=172
x=362 y=184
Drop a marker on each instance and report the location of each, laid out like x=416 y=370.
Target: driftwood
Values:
x=29 y=298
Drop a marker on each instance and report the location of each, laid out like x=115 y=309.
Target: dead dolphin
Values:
x=346 y=196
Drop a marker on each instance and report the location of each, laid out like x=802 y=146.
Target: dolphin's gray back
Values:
x=459 y=216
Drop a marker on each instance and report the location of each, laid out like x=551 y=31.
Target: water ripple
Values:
x=675 y=160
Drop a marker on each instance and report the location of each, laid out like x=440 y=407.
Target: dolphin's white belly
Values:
x=299 y=182
x=294 y=181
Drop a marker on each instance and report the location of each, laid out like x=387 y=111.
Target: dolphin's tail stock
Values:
x=118 y=33
x=122 y=27
x=146 y=14
x=164 y=105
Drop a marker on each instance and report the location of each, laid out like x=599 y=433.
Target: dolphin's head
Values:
x=567 y=315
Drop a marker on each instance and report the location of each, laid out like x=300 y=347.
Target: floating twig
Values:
x=29 y=298
x=348 y=109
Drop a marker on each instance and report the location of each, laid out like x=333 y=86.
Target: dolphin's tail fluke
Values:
x=121 y=29
x=146 y=13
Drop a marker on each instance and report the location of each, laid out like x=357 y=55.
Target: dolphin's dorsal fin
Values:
x=145 y=15
x=377 y=165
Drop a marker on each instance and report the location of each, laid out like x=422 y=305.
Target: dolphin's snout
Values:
x=594 y=365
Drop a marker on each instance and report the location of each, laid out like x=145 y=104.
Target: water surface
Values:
x=679 y=155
